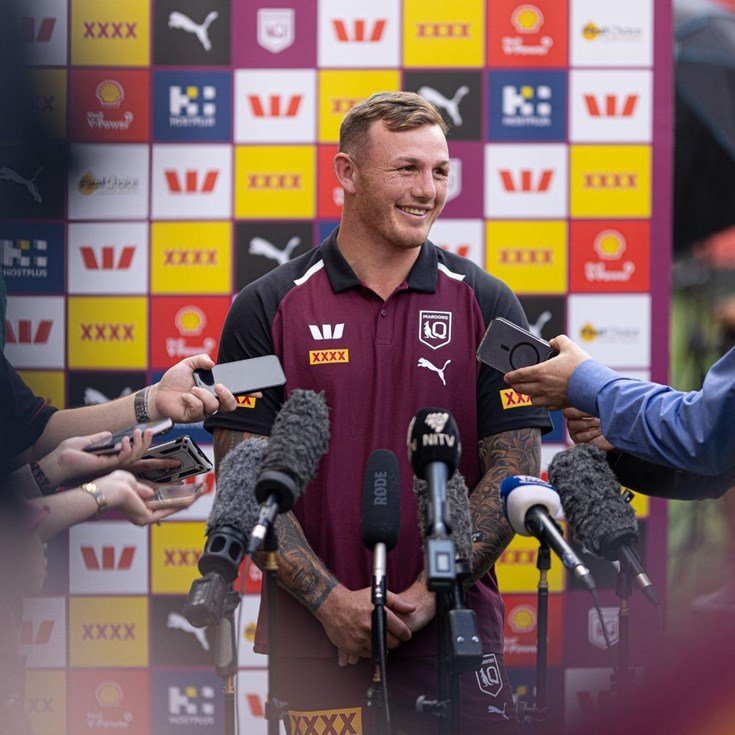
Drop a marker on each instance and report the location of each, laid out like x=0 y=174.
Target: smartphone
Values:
x=171 y=494
x=243 y=376
x=114 y=443
x=184 y=448
x=506 y=347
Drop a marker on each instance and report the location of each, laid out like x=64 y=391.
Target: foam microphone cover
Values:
x=381 y=500
x=519 y=493
x=590 y=494
x=234 y=502
x=433 y=436
x=299 y=438
x=458 y=507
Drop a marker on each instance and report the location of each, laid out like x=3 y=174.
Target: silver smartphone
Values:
x=506 y=347
x=192 y=460
x=243 y=376
x=114 y=443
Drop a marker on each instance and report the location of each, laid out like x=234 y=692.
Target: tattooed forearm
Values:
x=300 y=571
x=515 y=452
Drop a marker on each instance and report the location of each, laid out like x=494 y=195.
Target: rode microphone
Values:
x=598 y=515
x=299 y=438
x=530 y=505
x=381 y=513
x=233 y=513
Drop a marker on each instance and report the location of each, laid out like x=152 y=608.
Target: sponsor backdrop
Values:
x=200 y=135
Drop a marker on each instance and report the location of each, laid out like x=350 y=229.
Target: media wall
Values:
x=200 y=135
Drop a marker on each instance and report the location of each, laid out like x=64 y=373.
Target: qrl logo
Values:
x=526 y=180
x=435 y=328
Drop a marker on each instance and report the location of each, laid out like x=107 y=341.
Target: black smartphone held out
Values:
x=192 y=461
x=506 y=347
x=114 y=444
x=243 y=376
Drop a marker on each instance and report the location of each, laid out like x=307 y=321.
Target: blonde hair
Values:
x=397 y=110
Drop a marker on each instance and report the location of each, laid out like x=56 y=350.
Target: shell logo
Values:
x=522 y=619
x=609 y=245
x=108 y=694
x=590 y=31
x=527 y=19
x=588 y=332
x=190 y=321
x=249 y=632
x=110 y=93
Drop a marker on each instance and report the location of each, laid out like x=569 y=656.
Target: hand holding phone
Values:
x=506 y=347
x=191 y=461
x=243 y=376
x=114 y=443
x=180 y=495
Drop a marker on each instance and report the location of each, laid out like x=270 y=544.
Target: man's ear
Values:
x=345 y=171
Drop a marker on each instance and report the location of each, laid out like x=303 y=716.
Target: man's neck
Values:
x=379 y=265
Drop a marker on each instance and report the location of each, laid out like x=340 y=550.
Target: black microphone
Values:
x=299 y=438
x=381 y=513
x=598 y=514
x=530 y=505
x=233 y=513
x=434 y=449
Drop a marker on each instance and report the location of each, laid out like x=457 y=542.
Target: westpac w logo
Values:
x=327 y=331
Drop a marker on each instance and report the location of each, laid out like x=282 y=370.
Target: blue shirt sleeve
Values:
x=692 y=431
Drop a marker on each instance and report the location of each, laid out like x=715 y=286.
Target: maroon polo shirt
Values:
x=378 y=363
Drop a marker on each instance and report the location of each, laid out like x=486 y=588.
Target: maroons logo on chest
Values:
x=435 y=328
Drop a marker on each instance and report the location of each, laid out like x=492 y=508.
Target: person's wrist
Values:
x=50 y=466
x=153 y=410
x=43 y=476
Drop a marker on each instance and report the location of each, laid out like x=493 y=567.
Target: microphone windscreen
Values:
x=519 y=493
x=590 y=494
x=458 y=509
x=299 y=438
x=234 y=502
x=381 y=500
x=460 y=520
x=433 y=436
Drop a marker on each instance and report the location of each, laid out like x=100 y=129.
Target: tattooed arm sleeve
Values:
x=516 y=452
x=300 y=571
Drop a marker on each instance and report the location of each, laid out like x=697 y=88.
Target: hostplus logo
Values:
x=191 y=705
x=24 y=258
x=192 y=106
x=527 y=105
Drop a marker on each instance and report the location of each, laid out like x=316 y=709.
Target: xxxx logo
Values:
x=245 y=401
x=105 y=29
x=180 y=557
x=611 y=181
x=108 y=632
x=328 y=722
x=107 y=332
x=322 y=357
x=190 y=257
x=511 y=399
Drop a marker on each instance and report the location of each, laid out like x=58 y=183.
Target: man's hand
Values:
x=548 y=382
x=177 y=398
x=586 y=429
x=424 y=603
x=347 y=619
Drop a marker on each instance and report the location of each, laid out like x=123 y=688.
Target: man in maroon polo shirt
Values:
x=386 y=324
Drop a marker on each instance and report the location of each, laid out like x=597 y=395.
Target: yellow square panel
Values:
x=48 y=384
x=175 y=550
x=516 y=568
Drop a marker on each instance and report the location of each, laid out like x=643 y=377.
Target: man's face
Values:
x=401 y=185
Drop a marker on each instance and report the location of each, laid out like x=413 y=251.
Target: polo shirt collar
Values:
x=424 y=275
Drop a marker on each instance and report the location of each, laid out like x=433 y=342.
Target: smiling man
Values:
x=385 y=324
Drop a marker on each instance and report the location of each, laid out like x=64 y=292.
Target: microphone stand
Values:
x=225 y=657
x=274 y=708
x=377 y=694
x=622 y=678
x=543 y=564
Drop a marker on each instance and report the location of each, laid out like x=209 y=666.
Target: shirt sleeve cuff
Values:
x=587 y=380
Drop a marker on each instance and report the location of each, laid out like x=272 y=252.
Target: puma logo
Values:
x=495 y=711
x=450 y=106
x=535 y=329
x=30 y=184
x=185 y=23
x=261 y=246
x=179 y=622
x=423 y=362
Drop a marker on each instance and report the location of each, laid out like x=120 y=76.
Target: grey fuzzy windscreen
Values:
x=458 y=508
x=234 y=502
x=299 y=438
x=590 y=496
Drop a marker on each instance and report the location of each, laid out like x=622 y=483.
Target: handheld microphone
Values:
x=233 y=513
x=530 y=505
x=381 y=513
x=598 y=515
x=299 y=438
